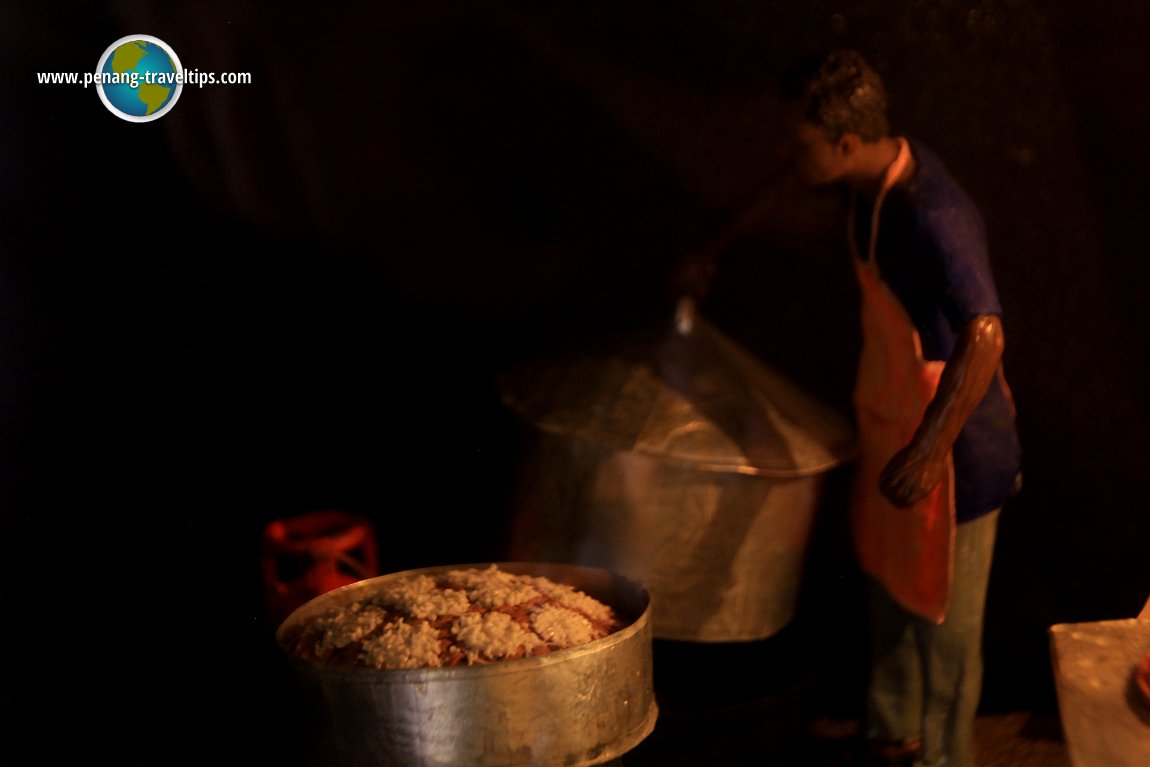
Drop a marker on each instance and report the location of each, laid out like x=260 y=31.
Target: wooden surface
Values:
x=1105 y=716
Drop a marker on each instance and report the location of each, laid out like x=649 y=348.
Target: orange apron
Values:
x=907 y=549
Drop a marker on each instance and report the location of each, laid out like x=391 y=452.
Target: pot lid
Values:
x=687 y=394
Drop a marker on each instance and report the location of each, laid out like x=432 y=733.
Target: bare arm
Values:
x=916 y=469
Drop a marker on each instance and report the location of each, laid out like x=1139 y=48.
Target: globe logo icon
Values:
x=139 y=78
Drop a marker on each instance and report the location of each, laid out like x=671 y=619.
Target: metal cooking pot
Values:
x=677 y=458
x=584 y=705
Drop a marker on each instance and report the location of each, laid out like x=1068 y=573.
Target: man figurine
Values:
x=939 y=451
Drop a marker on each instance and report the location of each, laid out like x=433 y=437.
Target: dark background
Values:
x=296 y=294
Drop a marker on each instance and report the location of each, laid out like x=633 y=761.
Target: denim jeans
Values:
x=926 y=679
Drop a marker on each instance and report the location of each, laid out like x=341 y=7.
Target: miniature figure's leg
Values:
x=952 y=651
x=894 y=692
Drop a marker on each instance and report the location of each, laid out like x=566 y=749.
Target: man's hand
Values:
x=916 y=469
x=910 y=476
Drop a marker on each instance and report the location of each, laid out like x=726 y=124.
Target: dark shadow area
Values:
x=1138 y=700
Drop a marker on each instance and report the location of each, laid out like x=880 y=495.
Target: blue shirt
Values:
x=932 y=252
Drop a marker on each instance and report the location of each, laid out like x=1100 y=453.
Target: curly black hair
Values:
x=841 y=93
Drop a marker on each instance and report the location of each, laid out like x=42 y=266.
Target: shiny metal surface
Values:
x=682 y=462
x=721 y=554
x=585 y=705
x=689 y=395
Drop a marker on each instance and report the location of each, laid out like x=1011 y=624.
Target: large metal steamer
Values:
x=677 y=458
x=585 y=705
